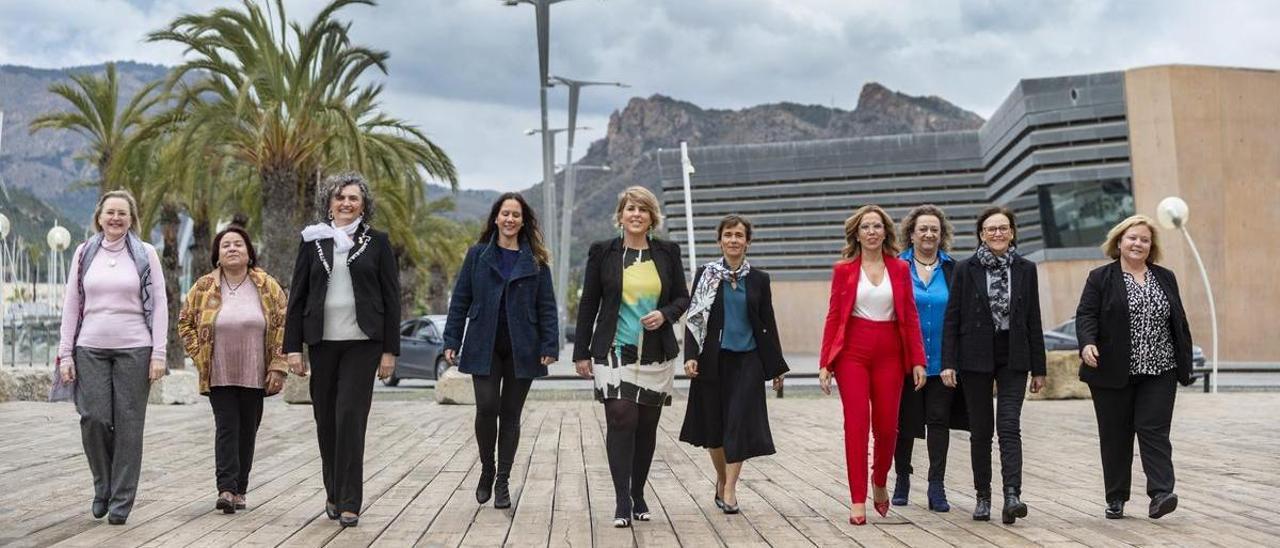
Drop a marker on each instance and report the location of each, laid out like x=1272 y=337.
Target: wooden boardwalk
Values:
x=421 y=471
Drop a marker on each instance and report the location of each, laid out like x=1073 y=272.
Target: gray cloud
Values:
x=466 y=70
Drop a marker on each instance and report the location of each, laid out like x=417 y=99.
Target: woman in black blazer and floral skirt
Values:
x=730 y=348
x=633 y=292
x=1135 y=344
x=991 y=333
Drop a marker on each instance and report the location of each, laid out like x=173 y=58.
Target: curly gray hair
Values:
x=334 y=184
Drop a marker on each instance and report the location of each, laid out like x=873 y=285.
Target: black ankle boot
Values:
x=982 y=506
x=901 y=489
x=501 y=488
x=1014 y=508
x=484 y=489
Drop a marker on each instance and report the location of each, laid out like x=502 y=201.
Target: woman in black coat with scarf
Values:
x=730 y=347
x=1135 y=344
x=503 y=302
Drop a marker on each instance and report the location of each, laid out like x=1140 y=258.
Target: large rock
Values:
x=296 y=389
x=1062 y=381
x=179 y=387
x=454 y=387
x=25 y=383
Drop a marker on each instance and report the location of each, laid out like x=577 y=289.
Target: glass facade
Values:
x=1080 y=214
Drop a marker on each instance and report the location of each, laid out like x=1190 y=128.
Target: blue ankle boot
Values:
x=901 y=487
x=938 y=497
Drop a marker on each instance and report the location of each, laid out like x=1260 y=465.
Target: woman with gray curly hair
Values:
x=344 y=303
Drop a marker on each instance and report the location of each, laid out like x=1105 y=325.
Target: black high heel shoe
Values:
x=349 y=521
x=640 y=510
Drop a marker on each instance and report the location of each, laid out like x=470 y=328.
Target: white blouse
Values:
x=874 y=302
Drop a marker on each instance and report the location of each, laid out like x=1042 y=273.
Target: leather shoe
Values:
x=1014 y=508
x=1115 y=509
x=116 y=520
x=348 y=521
x=99 y=508
x=1163 y=504
x=484 y=489
x=982 y=507
x=501 y=493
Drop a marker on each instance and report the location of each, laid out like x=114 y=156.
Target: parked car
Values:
x=1063 y=337
x=421 y=350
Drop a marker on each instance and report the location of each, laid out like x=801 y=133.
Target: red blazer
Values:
x=844 y=291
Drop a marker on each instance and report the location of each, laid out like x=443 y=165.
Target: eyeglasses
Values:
x=871 y=227
x=993 y=230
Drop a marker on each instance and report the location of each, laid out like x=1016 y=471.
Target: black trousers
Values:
x=1143 y=408
x=237 y=412
x=937 y=423
x=341 y=392
x=499 y=402
x=1005 y=419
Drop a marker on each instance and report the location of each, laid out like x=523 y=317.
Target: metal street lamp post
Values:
x=570 y=180
x=4 y=250
x=1172 y=214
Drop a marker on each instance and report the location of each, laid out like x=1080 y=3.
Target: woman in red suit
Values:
x=871 y=341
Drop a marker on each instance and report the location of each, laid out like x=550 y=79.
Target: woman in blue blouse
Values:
x=937 y=406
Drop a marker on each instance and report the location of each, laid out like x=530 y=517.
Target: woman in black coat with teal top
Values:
x=731 y=347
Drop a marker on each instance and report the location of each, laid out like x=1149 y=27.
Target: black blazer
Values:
x=968 y=331
x=602 y=296
x=375 y=279
x=1102 y=319
x=763 y=325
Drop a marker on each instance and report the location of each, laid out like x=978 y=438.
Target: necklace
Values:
x=112 y=253
x=232 y=288
x=927 y=266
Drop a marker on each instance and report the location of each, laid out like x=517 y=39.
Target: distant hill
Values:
x=645 y=125
x=48 y=163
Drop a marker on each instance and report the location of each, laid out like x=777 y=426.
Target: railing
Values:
x=30 y=340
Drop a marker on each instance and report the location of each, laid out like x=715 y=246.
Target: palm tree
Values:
x=284 y=102
x=96 y=114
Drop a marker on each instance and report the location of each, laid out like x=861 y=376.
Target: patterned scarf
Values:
x=997 y=265
x=705 y=295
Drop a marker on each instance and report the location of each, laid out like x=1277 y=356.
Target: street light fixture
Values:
x=58 y=239
x=542 y=18
x=1172 y=213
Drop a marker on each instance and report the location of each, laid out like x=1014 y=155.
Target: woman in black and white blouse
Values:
x=1135 y=344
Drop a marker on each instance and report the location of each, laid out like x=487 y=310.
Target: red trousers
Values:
x=869 y=375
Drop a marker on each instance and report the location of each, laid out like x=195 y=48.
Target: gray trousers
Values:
x=112 y=388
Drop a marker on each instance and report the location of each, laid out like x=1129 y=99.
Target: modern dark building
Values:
x=1058 y=151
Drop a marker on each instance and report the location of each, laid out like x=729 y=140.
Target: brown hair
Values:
x=909 y=225
x=998 y=210
x=1111 y=247
x=644 y=198
x=528 y=227
x=248 y=245
x=851 y=245
x=123 y=195
x=730 y=221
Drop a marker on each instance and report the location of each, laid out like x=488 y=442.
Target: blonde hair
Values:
x=123 y=195
x=642 y=198
x=1111 y=247
x=909 y=225
x=851 y=245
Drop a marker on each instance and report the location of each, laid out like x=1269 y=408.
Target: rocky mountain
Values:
x=645 y=125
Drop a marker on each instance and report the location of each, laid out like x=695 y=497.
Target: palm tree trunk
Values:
x=169 y=224
x=201 y=241
x=284 y=214
x=438 y=289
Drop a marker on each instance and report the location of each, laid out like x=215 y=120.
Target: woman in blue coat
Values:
x=504 y=303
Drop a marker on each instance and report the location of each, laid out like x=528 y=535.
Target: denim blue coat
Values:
x=531 y=312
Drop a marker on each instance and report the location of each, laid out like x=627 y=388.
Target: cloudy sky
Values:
x=466 y=70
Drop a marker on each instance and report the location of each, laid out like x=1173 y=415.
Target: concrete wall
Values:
x=1212 y=136
x=1061 y=282
x=801 y=309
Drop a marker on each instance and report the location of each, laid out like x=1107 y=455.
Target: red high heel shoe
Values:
x=860 y=520
x=881 y=506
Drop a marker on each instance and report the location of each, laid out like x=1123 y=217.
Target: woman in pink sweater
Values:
x=113 y=340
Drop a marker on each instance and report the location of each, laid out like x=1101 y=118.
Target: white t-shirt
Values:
x=875 y=302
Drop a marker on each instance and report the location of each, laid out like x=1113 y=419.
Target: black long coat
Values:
x=764 y=326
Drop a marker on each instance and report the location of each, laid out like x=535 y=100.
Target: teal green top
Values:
x=737 y=335
x=641 y=287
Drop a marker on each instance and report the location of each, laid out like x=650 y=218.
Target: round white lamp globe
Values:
x=1172 y=212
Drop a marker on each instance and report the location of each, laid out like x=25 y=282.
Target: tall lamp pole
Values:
x=4 y=250
x=1172 y=214
x=570 y=181
x=542 y=17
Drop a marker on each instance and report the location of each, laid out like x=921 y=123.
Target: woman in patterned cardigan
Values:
x=232 y=326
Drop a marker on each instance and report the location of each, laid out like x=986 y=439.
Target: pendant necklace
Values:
x=112 y=253
x=232 y=288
